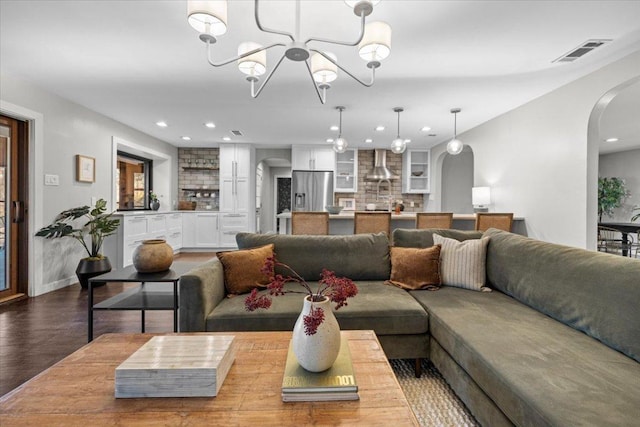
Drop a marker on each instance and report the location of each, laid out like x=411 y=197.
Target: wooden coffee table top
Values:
x=79 y=390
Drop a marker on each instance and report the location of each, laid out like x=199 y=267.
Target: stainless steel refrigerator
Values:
x=311 y=191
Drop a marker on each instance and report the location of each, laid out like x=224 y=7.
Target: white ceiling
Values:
x=139 y=62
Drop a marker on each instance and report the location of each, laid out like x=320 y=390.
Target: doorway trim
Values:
x=36 y=190
x=275 y=199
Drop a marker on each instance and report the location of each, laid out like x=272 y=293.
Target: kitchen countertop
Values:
x=400 y=216
x=150 y=212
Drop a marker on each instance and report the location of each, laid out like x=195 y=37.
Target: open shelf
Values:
x=199 y=168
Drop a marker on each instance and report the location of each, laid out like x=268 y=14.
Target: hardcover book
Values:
x=336 y=383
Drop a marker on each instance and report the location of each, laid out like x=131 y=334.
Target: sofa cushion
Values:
x=462 y=264
x=243 y=269
x=593 y=292
x=358 y=257
x=385 y=309
x=423 y=238
x=539 y=371
x=415 y=268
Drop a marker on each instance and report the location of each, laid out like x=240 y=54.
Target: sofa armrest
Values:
x=201 y=290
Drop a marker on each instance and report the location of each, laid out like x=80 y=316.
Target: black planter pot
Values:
x=155 y=205
x=88 y=268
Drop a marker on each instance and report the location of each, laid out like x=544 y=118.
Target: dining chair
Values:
x=316 y=223
x=434 y=219
x=501 y=221
x=610 y=240
x=372 y=222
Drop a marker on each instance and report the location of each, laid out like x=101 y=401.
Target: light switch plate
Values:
x=51 y=179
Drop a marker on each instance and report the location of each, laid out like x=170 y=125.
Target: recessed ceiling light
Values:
x=329 y=140
x=226 y=138
x=210 y=125
x=162 y=124
x=379 y=128
x=368 y=140
x=611 y=140
x=407 y=141
x=334 y=127
x=425 y=129
x=186 y=138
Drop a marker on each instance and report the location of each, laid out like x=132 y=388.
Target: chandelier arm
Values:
x=235 y=58
x=256 y=93
x=268 y=30
x=360 y=36
x=373 y=69
x=323 y=95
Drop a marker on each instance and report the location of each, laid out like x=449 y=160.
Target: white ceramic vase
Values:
x=317 y=352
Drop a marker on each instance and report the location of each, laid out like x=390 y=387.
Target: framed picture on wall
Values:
x=85 y=168
x=347 y=204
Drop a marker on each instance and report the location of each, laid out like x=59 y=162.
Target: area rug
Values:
x=432 y=400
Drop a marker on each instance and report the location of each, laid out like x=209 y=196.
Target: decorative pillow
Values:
x=413 y=268
x=242 y=269
x=462 y=264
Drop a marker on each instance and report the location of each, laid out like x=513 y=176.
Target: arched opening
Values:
x=273 y=173
x=455 y=175
x=601 y=122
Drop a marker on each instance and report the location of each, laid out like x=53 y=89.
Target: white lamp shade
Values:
x=254 y=64
x=353 y=3
x=376 y=43
x=340 y=145
x=208 y=16
x=454 y=147
x=398 y=146
x=323 y=70
x=481 y=196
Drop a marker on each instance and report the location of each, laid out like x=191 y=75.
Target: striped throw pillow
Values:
x=462 y=264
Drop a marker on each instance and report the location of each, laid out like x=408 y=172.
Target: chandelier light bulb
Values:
x=398 y=146
x=340 y=145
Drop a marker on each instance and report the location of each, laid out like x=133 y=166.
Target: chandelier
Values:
x=209 y=18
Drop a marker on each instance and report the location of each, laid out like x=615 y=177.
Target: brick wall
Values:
x=367 y=190
x=193 y=181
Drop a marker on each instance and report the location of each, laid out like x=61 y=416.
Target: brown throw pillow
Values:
x=242 y=269
x=414 y=268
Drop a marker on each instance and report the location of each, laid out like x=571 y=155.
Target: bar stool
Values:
x=434 y=219
x=372 y=222
x=501 y=221
x=310 y=223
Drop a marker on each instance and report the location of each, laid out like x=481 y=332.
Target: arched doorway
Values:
x=273 y=168
x=456 y=177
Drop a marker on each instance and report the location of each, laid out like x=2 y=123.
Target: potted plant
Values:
x=611 y=194
x=98 y=226
x=154 y=203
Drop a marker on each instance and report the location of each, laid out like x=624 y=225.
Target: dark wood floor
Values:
x=37 y=332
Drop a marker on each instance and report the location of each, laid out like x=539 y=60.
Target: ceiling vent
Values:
x=236 y=132
x=581 y=50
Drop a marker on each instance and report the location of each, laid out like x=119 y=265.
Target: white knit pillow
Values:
x=462 y=264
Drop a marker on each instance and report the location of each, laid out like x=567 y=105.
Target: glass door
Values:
x=13 y=223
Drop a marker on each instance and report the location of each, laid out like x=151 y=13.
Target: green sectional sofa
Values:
x=557 y=342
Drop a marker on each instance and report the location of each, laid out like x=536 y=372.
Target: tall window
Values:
x=134 y=181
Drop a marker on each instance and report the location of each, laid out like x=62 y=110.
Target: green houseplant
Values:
x=99 y=225
x=611 y=194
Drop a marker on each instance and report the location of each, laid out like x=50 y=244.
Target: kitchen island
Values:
x=342 y=223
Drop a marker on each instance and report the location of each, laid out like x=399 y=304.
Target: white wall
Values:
x=457 y=181
x=60 y=130
x=538 y=160
x=625 y=165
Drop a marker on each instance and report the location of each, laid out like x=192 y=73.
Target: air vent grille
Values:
x=236 y=132
x=581 y=50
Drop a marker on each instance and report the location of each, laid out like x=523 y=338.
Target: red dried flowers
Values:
x=337 y=289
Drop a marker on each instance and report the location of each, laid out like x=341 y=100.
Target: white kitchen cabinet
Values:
x=230 y=225
x=416 y=170
x=346 y=172
x=237 y=193
x=304 y=157
x=235 y=159
x=207 y=231
x=188 y=229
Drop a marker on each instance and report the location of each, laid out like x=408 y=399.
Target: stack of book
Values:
x=336 y=383
x=176 y=366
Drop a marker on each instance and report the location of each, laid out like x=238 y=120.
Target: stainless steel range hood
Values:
x=380 y=170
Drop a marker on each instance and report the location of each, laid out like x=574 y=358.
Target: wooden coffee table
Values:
x=79 y=390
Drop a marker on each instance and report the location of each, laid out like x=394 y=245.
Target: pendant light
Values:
x=340 y=144
x=398 y=145
x=455 y=146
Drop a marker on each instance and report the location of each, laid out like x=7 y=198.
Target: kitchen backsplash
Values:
x=368 y=190
x=198 y=177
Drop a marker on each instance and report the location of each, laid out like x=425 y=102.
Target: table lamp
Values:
x=481 y=198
